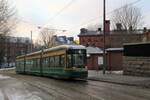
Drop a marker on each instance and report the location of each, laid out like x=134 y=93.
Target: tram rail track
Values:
x=54 y=90
x=81 y=90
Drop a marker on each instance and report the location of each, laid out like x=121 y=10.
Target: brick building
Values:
x=94 y=58
x=114 y=39
x=114 y=58
x=13 y=46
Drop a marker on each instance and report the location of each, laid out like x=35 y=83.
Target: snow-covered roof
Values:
x=92 y=33
x=94 y=50
x=18 y=39
x=114 y=49
x=138 y=43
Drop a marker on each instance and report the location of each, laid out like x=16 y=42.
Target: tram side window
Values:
x=38 y=63
x=17 y=63
x=31 y=63
x=34 y=63
x=45 y=62
x=78 y=60
x=57 y=61
x=69 y=60
x=51 y=61
x=62 y=61
x=21 y=63
x=27 y=62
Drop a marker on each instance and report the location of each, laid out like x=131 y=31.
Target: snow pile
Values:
x=7 y=68
x=4 y=77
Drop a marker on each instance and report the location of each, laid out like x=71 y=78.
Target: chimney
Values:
x=70 y=38
x=144 y=29
x=99 y=29
x=130 y=28
x=119 y=26
x=83 y=31
x=107 y=26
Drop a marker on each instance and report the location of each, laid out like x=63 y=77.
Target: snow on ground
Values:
x=4 y=77
x=7 y=68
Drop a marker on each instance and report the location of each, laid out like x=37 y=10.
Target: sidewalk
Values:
x=118 y=78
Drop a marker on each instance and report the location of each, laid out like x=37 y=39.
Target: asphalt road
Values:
x=26 y=87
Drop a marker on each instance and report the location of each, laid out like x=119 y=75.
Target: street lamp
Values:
x=31 y=42
x=104 y=33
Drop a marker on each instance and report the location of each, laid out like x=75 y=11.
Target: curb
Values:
x=121 y=83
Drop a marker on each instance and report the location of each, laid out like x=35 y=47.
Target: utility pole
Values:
x=104 y=33
x=31 y=41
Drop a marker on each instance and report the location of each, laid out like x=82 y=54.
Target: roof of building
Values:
x=138 y=43
x=11 y=39
x=95 y=33
x=114 y=49
x=94 y=50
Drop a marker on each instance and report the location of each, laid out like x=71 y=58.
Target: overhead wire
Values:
x=93 y=19
x=86 y=22
x=61 y=10
x=57 y=14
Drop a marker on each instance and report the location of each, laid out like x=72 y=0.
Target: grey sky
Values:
x=80 y=13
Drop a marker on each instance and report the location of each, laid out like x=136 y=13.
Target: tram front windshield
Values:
x=76 y=58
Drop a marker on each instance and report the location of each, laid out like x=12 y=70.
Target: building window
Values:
x=100 y=60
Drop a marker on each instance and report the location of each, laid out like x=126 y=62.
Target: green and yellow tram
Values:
x=65 y=61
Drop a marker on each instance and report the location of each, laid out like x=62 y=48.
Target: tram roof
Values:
x=65 y=47
x=61 y=47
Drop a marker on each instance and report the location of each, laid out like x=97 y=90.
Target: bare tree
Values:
x=46 y=37
x=37 y=45
x=7 y=23
x=129 y=16
x=7 y=17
